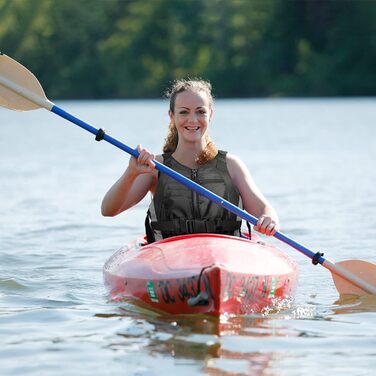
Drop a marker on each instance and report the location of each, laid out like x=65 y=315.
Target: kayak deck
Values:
x=201 y=273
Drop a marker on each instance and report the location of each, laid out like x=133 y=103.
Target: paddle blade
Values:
x=364 y=270
x=16 y=82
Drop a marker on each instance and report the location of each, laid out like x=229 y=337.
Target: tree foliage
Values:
x=134 y=48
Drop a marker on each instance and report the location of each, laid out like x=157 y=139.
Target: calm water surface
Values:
x=313 y=159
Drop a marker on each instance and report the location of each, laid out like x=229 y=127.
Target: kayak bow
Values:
x=202 y=273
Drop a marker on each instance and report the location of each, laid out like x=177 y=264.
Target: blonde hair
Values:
x=171 y=141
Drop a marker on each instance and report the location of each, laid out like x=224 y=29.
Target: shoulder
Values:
x=234 y=163
x=237 y=169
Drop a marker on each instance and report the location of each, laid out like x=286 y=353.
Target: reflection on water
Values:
x=238 y=345
x=355 y=304
x=207 y=339
x=200 y=339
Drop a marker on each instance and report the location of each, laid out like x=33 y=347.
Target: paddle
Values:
x=20 y=90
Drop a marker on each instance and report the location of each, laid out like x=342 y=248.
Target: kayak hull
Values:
x=201 y=274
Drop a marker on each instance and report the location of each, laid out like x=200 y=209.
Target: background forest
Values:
x=246 y=48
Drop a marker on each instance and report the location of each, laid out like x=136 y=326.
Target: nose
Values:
x=192 y=118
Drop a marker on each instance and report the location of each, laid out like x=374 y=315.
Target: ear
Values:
x=171 y=115
x=211 y=114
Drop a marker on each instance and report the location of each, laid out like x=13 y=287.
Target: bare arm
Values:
x=139 y=178
x=253 y=200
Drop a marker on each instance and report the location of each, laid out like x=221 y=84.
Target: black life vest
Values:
x=177 y=209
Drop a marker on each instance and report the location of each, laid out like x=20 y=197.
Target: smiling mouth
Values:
x=192 y=128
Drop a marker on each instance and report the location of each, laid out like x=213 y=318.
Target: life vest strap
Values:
x=195 y=226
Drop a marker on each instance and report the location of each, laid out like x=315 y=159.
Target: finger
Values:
x=260 y=224
x=147 y=159
x=143 y=156
x=139 y=149
x=269 y=228
x=151 y=163
x=275 y=229
x=272 y=228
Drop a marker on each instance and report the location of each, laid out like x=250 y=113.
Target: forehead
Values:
x=192 y=98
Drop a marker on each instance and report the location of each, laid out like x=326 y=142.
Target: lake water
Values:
x=314 y=160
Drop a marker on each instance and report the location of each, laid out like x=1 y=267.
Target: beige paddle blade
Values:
x=366 y=271
x=17 y=84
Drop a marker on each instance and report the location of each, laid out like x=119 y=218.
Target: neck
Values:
x=187 y=154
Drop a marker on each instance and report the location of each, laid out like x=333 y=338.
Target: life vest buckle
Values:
x=196 y=226
x=190 y=226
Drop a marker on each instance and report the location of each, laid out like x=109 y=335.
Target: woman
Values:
x=176 y=209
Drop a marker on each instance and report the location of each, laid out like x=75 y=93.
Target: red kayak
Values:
x=201 y=273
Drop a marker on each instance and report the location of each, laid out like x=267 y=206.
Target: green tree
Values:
x=133 y=48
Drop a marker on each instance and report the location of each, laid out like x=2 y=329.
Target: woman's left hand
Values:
x=266 y=225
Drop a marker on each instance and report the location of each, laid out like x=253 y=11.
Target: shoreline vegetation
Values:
x=247 y=48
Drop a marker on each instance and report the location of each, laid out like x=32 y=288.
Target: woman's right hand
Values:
x=131 y=187
x=143 y=164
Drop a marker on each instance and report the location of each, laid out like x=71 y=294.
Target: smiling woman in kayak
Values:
x=176 y=209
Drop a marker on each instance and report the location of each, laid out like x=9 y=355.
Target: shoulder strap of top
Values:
x=221 y=160
x=222 y=154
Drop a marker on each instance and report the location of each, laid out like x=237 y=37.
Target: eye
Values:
x=183 y=112
x=202 y=112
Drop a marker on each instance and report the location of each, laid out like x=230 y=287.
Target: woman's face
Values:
x=192 y=114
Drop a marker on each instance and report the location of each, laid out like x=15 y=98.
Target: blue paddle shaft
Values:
x=187 y=182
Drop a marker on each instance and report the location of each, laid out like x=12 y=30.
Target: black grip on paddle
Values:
x=100 y=135
x=315 y=258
